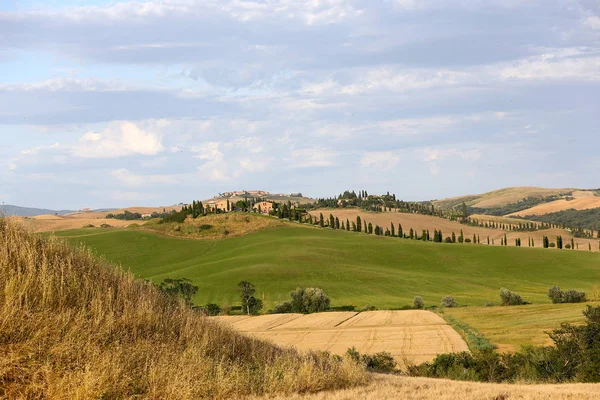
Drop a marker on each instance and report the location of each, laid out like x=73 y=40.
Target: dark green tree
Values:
x=250 y=304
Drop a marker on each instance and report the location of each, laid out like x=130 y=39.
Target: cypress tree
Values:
x=453 y=237
x=370 y=228
x=353 y=227
x=321 y=220
x=343 y=226
x=474 y=239
x=358 y=224
x=412 y=233
x=532 y=242
x=400 y=232
x=310 y=220
x=347 y=224
x=488 y=240
x=337 y=223
x=376 y=230
x=393 y=231
x=505 y=241
x=331 y=221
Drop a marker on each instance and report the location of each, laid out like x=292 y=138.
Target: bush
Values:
x=380 y=362
x=567 y=246
x=343 y=308
x=556 y=295
x=569 y=296
x=283 y=308
x=552 y=244
x=467 y=240
x=210 y=309
x=449 y=302
x=573 y=296
x=204 y=227
x=178 y=217
x=418 y=303
x=508 y=298
x=89 y=226
x=448 y=240
x=105 y=226
x=368 y=308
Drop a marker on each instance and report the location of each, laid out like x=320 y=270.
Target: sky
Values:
x=121 y=103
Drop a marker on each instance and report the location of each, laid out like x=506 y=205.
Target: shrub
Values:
x=552 y=244
x=449 y=302
x=210 y=309
x=368 y=308
x=177 y=217
x=418 y=303
x=569 y=296
x=379 y=362
x=508 y=298
x=283 y=308
x=573 y=296
x=89 y=226
x=448 y=240
x=567 y=246
x=556 y=295
x=204 y=227
x=467 y=240
x=105 y=226
x=343 y=308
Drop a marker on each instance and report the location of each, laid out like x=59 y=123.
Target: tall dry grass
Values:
x=73 y=326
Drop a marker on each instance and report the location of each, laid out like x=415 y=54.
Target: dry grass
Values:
x=503 y=197
x=72 y=326
x=413 y=336
x=397 y=387
x=420 y=222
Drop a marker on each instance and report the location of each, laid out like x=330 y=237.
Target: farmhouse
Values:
x=217 y=205
x=265 y=207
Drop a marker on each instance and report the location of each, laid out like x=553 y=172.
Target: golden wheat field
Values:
x=412 y=336
x=389 y=387
x=420 y=222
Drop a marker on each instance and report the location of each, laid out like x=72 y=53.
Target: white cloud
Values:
x=312 y=157
x=383 y=160
x=593 y=22
x=129 y=178
x=124 y=139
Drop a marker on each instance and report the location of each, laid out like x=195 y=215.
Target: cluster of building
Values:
x=224 y=205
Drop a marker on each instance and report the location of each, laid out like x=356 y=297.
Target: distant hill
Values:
x=16 y=211
x=502 y=197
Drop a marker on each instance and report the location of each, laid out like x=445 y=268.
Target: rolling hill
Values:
x=16 y=211
x=352 y=268
x=502 y=197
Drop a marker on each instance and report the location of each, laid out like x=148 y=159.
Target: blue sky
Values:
x=107 y=104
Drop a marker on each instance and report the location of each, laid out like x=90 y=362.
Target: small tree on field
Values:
x=250 y=304
x=449 y=302
x=509 y=298
x=556 y=295
x=179 y=288
x=418 y=303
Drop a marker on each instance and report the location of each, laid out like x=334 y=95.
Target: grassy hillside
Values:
x=72 y=326
x=352 y=268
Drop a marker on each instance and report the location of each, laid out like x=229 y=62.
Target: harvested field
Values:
x=414 y=336
x=502 y=197
x=420 y=222
x=389 y=387
x=582 y=203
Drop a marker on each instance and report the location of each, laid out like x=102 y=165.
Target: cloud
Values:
x=380 y=160
x=122 y=139
x=128 y=178
x=311 y=158
x=593 y=22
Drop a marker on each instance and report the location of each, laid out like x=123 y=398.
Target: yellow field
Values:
x=581 y=203
x=504 y=196
x=413 y=336
x=77 y=220
x=389 y=387
x=420 y=222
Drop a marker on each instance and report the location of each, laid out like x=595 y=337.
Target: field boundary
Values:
x=474 y=339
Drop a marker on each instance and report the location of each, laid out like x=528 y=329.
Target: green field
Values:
x=352 y=268
x=511 y=327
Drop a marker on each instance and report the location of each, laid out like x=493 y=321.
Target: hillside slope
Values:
x=72 y=326
x=501 y=197
x=352 y=268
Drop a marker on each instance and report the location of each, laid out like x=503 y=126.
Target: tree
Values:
x=337 y=223
x=347 y=224
x=250 y=304
x=179 y=288
x=453 y=237
x=572 y=243
x=393 y=230
x=464 y=211
x=400 y=232
x=449 y=302
x=309 y=300
x=546 y=242
x=509 y=298
x=418 y=303
x=358 y=224
x=412 y=233
x=228 y=205
x=556 y=295
x=321 y=220
x=370 y=227
x=559 y=242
